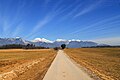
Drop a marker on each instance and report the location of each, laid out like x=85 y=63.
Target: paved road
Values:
x=63 y=68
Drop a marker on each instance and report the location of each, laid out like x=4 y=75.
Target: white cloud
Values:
x=111 y=41
x=42 y=40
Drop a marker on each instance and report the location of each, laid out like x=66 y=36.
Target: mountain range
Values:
x=47 y=43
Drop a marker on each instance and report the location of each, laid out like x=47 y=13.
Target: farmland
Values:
x=104 y=62
x=26 y=64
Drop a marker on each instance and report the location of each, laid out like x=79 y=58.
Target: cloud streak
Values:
x=48 y=18
x=11 y=23
x=88 y=9
x=39 y=25
x=102 y=22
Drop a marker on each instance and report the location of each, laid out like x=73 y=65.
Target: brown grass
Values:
x=10 y=59
x=105 y=62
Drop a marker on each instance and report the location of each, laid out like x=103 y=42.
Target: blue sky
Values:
x=66 y=19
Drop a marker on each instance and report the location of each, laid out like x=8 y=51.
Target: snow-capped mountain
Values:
x=47 y=43
x=58 y=42
x=42 y=40
x=4 y=41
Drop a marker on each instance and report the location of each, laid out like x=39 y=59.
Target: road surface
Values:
x=63 y=68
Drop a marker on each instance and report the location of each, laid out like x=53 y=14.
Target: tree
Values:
x=63 y=46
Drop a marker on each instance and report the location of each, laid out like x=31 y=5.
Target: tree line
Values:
x=20 y=46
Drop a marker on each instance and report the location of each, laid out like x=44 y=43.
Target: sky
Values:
x=97 y=20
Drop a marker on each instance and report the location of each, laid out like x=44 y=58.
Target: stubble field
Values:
x=18 y=64
x=104 y=62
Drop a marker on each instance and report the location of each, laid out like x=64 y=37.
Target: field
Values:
x=25 y=64
x=104 y=62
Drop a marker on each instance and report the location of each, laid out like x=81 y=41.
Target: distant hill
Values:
x=51 y=44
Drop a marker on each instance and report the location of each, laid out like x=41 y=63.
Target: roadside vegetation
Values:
x=11 y=59
x=104 y=62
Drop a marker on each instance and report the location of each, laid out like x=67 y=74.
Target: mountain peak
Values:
x=42 y=40
x=60 y=40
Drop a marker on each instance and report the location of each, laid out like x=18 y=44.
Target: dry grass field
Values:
x=104 y=62
x=39 y=59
